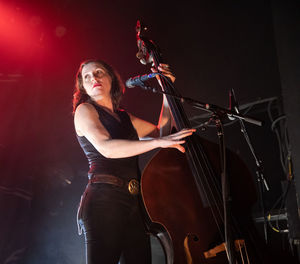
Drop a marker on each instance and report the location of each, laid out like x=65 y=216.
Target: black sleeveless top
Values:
x=125 y=168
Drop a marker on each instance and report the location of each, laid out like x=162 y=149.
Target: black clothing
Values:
x=126 y=168
x=113 y=226
x=110 y=216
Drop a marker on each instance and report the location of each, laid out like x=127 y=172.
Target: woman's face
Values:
x=96 y=81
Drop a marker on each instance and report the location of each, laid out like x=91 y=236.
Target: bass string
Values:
x=209 y=184
x=213 y=197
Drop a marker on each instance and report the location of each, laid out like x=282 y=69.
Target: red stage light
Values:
x=19 y=32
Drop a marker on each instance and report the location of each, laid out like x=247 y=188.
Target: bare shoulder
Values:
x=84 y=109
x=85 y=115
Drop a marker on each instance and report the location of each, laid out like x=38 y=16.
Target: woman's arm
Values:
x=147 y=129
x=87 y=124
x=165 y=121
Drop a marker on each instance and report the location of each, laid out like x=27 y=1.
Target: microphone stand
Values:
x=218 y=114
x=261 y=181
x=214 y=109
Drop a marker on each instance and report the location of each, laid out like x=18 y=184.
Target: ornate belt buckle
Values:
x=133 y=187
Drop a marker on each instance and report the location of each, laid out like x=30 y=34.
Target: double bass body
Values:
x=186 y=228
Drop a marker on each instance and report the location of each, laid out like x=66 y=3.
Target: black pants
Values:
x=111 y=221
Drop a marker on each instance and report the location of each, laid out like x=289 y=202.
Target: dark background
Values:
x=212 y=46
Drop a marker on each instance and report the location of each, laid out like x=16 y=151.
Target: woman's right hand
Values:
x=175 y=140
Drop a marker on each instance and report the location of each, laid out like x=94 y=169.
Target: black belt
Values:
x=132 y=186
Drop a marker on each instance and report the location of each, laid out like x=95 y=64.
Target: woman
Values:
x=109 y=211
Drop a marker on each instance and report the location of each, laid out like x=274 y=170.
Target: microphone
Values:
x=139 y=80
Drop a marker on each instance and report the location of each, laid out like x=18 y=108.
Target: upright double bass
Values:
x=183 y=197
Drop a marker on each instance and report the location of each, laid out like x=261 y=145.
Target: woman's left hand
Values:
x=165 y=70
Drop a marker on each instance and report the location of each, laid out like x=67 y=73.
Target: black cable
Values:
x=284 y=154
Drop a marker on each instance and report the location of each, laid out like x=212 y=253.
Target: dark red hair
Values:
x=117 y=86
